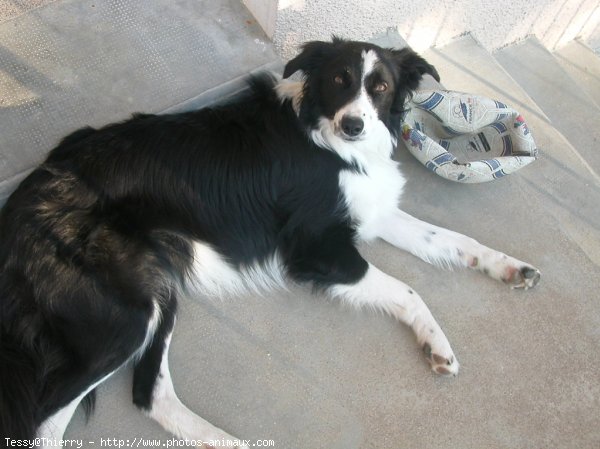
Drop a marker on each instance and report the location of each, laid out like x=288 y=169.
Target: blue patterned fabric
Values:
x=466 y=138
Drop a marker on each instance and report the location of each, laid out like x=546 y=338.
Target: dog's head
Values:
x=354 y=87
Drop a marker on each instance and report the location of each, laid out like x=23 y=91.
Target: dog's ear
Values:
x=412 y=67
x=310 y=57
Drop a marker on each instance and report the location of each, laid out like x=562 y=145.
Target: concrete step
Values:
x=74 y=63
x=302 y=370
x=549 y=204
x=569 y=108
x=583 y=65
x=557 y=179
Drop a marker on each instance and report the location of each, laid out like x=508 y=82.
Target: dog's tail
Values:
x=19 y=382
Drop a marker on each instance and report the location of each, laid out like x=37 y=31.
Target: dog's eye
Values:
x=381 y=87
x=339 y=79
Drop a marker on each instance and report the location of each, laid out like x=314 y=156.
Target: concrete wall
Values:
x=427 y=23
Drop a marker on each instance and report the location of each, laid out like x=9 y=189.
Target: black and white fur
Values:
x=98 y=244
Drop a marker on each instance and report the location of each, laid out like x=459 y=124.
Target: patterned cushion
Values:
x=465 y=137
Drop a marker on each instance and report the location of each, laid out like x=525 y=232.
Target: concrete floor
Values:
x=10 y=9
x=307 y=372
x=83 y=62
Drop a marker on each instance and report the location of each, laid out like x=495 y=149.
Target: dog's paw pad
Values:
x=445 y=366
x=524 y=278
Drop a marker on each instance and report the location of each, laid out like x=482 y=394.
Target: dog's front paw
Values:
x=524 y=277
x=507 y=269
x=438 y=351
x=445 y=365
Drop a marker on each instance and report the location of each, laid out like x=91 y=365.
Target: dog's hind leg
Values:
x=69 y=386
x=154 y=394
x=53 y=428
x=443 y=247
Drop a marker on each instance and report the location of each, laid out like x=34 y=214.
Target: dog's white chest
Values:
x=372 y=196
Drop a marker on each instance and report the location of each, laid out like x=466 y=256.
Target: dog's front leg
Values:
x=379 y=290
x=334 y=264
x=440 y=246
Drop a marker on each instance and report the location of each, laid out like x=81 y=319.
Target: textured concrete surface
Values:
x=87 y=62
x=308 y=373
x=9 y=9
x=569 y=108
x=583 y=65
x=561 y=175
x=430 y=23
x=265 y=11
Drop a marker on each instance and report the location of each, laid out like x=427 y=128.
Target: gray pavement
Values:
x=85 y=62
x=583 y=65
x=310 y=373
x=570 y=109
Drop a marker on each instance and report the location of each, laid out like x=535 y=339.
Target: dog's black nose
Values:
x=352 y=126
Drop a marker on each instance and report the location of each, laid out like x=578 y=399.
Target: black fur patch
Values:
x=103 y=229
x=321 y=62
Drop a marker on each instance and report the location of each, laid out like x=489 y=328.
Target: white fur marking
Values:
x=53 y=428
x=372 y=196
x=447 y=248
x=369 y=60
x=379 y=142
x=212 y=276
x=362 y=105
x=375 y=139
x=381 y=291
x=175 y=417
x=150 y=330
x=268 y=275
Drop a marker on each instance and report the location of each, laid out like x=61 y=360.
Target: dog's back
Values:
x=96 y=243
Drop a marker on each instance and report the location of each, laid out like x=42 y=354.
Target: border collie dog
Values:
x=100 y=241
